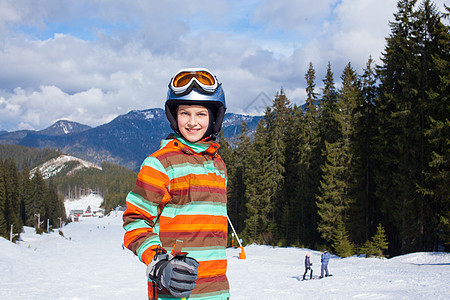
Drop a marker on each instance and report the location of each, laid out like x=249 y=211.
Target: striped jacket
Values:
x=182 y=188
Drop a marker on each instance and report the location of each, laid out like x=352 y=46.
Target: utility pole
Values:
x=48 y=225
x=39 y=223
x=12 y=235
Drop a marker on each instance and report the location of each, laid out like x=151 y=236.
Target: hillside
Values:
x=27 y=156
x=63 y=165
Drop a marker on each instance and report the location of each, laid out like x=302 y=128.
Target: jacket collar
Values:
x=200 y=147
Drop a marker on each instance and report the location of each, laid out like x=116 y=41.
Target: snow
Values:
x=55 y=165
x=66 y=127
x=89 y=263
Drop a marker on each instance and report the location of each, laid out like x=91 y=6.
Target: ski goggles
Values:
x=186 y=79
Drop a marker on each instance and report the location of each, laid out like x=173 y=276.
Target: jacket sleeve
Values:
x=144 y=205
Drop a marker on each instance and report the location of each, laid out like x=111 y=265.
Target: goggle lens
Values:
x=183 y=78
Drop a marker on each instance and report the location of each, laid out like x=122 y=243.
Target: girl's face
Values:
x=193 y=121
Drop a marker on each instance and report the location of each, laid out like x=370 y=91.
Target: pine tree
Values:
x=237 y=166
x=328 y=135
x=379 y=241
x=329 y=202
x=329 y=129
x=308 y=162
x=259 y=206
x=437 y=67
x=365 y=212
x=55 y=207
x=289 y=228
x=438 y=177
x=342 y=245
x=279 y=139
x=38 y=199
x=3 y=223
x=266 y=179
x=12 y=204
x=349 y=97
x=25 y=194
x=410 y=93
x=394 y=149
x=336 y=197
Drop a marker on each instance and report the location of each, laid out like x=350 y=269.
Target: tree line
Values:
x=26 y=200
x=360 y=166
x=27 y=156
x=112 y=182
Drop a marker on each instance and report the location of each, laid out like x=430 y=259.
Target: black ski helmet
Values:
x=194 y=93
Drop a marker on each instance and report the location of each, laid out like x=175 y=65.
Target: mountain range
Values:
x=125 y=141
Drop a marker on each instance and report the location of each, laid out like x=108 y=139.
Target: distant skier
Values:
x=308 y=265
x=324 y=259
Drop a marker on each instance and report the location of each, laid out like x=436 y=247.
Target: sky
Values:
x=89 y=61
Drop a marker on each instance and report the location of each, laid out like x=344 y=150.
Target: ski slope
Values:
x=90 y=263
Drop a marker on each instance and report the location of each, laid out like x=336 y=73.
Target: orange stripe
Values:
x=199 y=180
x=152 y=177
x=194 y=227
x=135 y=210
x=131 y=236
x=164 y=150
x=148 y=255
x=212 y=268
x=194 y=223
x=199 y=219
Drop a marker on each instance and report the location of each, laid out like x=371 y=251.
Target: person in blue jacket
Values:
x=324 y=259
x=308 y=265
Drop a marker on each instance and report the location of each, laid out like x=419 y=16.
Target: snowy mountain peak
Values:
x=148 y=114
x=63 y=127
x=56 y=165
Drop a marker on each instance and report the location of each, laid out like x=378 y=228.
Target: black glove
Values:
x=177 y=274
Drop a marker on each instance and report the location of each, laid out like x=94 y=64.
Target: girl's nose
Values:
x=191 y=120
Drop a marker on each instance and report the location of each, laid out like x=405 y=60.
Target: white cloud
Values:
x=303 y=16
x=89 y=61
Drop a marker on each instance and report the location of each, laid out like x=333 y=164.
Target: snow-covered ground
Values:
x=89 y=263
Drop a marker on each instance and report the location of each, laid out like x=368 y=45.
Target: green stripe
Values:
x=186 y=169
x=140 y=202
x=136 y=225
x=164 y=143
x=206 y=253
x=196 y=208
x=154 y=163
x=197 y=146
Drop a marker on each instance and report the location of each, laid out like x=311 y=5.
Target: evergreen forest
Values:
x=26 y=199
x=362 y=168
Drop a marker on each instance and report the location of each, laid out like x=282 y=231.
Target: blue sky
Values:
x=91 y=60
